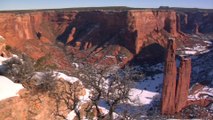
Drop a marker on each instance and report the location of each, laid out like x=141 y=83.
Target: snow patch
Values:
x=151 y=83
x=76 y=65
x=8 y=88
x=141 y=97
x=208 y=42
x=190 y=52
x=2 y=59
x=110 y=56
x=85 y=98
x=66 y=77
x=201 y=94
x=71 y=115
x=196 y=49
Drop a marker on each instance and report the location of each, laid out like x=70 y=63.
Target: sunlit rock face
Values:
x=38 y=105
x=170 y=74
x=183 y=83
x=176 y=84
x=35 y=32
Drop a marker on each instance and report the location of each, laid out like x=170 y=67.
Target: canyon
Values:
x=86 y=33
x=172 y=46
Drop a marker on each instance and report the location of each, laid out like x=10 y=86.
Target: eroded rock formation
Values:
x=169 y=87
x=183 y=83
x=176 y=84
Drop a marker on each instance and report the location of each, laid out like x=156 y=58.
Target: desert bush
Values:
x=18 y=69
x=42 y=64
x=8 y=48
x=66 y=94
x=22 y=69
x=40 y=82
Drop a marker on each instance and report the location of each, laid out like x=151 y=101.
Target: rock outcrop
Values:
x=183 y=83
x=176 y=84
x=153 y=21
x=36 y=104
x=195 y=21
x=71 y=35
x=169 y=86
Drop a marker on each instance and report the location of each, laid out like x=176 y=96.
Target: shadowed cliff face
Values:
x=35 y=32
x=196 y=22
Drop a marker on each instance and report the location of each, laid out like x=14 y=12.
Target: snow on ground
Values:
x=141 y=97
x=208 y=42
x=57 y=75
x=2 y=59
x=66 y=77
x=153 y=80
x=188 y=52
x=71 y=115
x=85 y=98
x=151 y=83
x=8 y=88
x=76 y=65
x=82 y=100
x=196 y=49
x=146 y=91
x=201 y=93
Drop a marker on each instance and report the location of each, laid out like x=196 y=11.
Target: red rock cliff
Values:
x=132 y=29
x=145 y=22
x=183 y=83
x=169 y=83
x=176 y=84
x=51 y=24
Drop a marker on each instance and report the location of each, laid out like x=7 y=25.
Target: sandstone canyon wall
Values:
x=195 y=21
x=132 y=26
x=32 y=31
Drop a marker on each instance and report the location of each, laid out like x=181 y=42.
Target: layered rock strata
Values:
x=86 y=31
